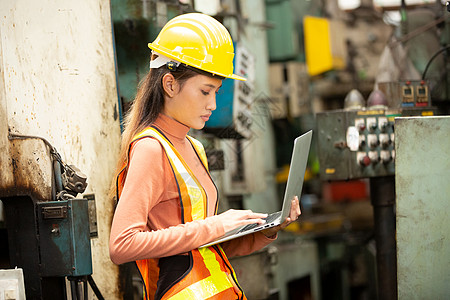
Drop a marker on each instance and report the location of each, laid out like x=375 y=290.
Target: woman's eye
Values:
x=205 y=93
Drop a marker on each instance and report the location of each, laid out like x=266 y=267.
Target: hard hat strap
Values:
x=174 y=66
x=162 y=60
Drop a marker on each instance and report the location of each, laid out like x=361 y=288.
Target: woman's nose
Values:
x=212 y=103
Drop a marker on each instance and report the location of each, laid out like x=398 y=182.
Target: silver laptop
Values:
x=294 y=186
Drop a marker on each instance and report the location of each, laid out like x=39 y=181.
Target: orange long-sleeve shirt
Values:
x=147 y=220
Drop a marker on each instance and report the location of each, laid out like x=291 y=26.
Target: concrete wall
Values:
x=58 y=81
x=422 y=172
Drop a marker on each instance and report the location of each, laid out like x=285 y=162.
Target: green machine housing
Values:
x=64 y=235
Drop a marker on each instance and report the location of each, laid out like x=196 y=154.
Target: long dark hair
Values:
x=147 y=105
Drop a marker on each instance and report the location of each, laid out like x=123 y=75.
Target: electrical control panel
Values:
x=65 y=247
x=406 y=94
x=359 y=143
x=414 y=94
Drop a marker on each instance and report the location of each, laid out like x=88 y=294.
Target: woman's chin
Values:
x=198 y=126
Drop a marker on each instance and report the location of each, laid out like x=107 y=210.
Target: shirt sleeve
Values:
x=246 y=244
x=131 y=238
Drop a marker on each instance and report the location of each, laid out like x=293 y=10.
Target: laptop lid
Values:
x=294 y=186
x=297 y=170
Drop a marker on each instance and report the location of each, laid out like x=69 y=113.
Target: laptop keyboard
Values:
x=270 y=218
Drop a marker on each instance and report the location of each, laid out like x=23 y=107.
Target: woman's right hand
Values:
x=233 y=218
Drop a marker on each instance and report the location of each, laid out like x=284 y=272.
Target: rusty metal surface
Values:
x=24 y=164
x=29 y=165
x=57 y=81
x=6 y=174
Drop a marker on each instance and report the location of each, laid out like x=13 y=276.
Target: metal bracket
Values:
x=54 y=212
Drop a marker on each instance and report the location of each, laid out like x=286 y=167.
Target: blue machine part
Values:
x=232 y=117
x=64 y=238
x=223 y=115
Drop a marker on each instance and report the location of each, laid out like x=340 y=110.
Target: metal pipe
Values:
x=382 y=194
x=85 y=289
x=73 y=288
x=57 y=174
x=79 y=285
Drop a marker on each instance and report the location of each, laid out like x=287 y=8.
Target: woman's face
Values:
x=193 y=103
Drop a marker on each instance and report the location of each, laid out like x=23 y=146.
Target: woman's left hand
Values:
x=293 y=216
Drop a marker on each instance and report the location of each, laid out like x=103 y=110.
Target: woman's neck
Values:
x=171 y=127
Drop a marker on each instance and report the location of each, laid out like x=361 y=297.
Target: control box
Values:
x=414 y=94
x=359 y=143
x=405 y=94
x=64 y=238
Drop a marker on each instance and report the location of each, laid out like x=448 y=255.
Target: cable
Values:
x=53 y=151
x=95 y=288
x=431 y=59
x=66 y=184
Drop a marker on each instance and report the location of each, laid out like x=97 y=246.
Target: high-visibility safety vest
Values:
x=210 y=274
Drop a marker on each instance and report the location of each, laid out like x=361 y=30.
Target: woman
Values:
x=168 y=201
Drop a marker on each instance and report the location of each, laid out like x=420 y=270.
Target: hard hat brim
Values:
x=168 y=54
x=237 y=77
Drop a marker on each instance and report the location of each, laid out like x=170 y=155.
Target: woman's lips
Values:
x=205 y=117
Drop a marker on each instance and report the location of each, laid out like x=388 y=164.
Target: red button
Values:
x=365 y=161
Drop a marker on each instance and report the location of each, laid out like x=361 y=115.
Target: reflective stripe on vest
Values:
x=211 y=276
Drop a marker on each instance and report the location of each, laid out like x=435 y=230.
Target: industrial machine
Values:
x=359 y=142
x=49 y=238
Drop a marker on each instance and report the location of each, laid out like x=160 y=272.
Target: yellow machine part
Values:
x=323 y=49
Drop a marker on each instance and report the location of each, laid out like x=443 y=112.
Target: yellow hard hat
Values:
x=199 y=41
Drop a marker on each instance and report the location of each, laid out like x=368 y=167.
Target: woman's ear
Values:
x=170 y=85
